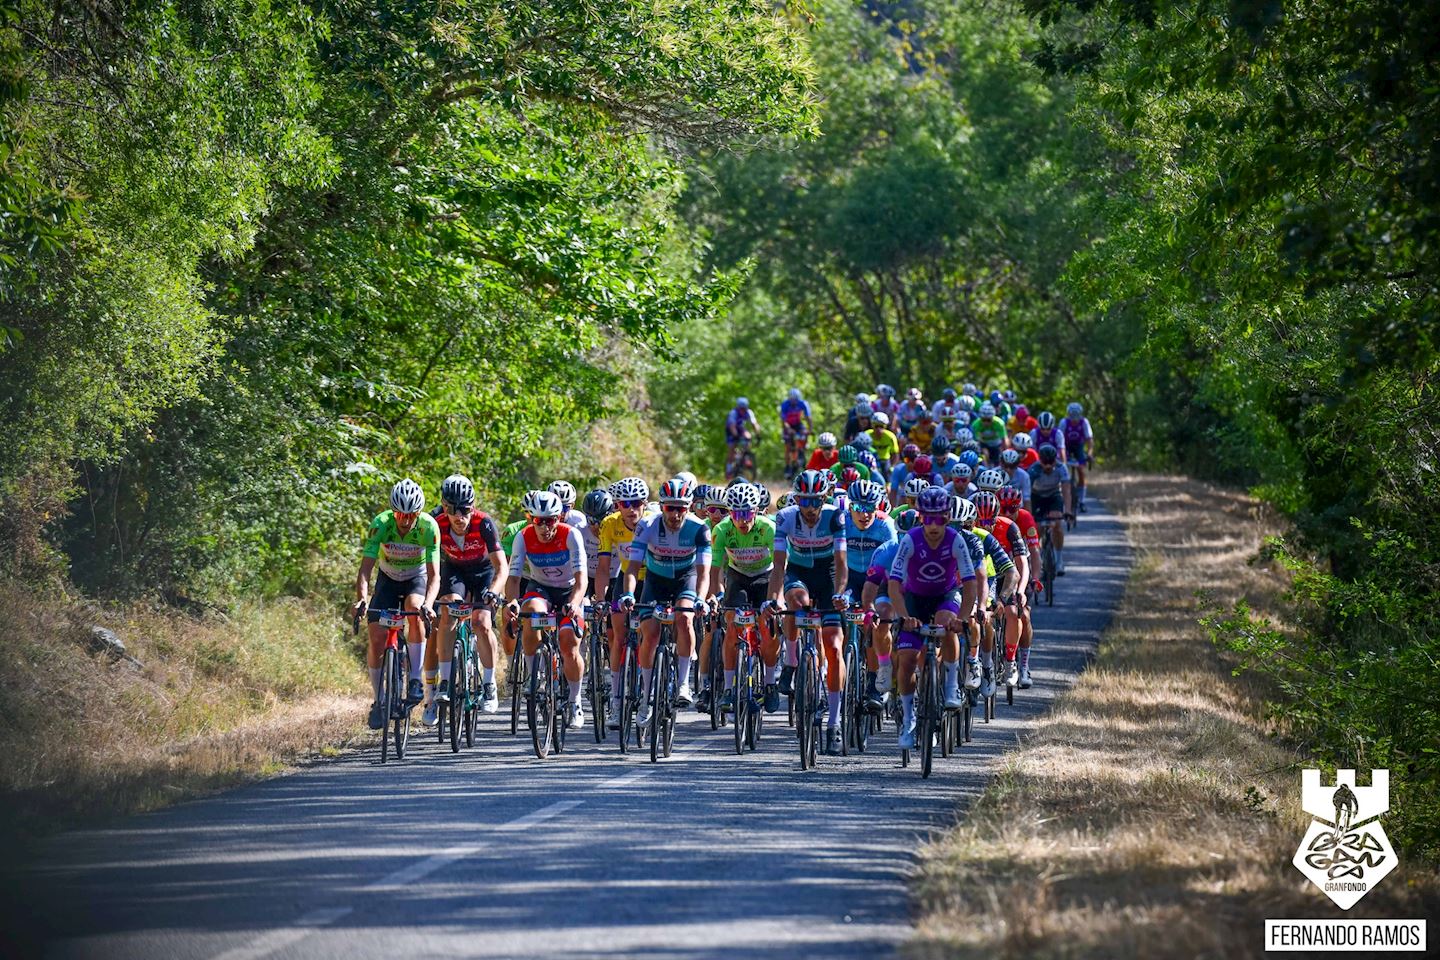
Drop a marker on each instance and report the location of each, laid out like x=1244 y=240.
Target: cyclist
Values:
x=901 y=473
x=960 y=476
x=811 y=570
x=923 y=433
x=470 y=562
x=865 y=454
x=849 y=460
x=1079 y=448
x=740 y=427
x=990 y=430
x=597 y=505
x=674 y=549
x=558 y=581
x=931 y=577
x=999 y=570
x=567 y=493
x=910 y=496
x=795 y=427
x=876 y=597
x=884 y=443
x=404 y=542
x=715 y=512
x=1010 y=506
x=1021 y=422
x=947 y=411
x=1050 y=499
x=1025 y=443
x=824 y=456
x=924 y=468
x=866 y=531
x=910 y=410
x=860 y=419
x=1008 y=532
x=745 y=546
x=1046 y=432
x=631 y=496
x=886 y=403
x=1014 y=476
x=941 y=456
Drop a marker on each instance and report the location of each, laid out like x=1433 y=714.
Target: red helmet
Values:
x=987 y=506
x=923 y=465
x=1021 y=412
x=849 y=476
x=909 y=452
x=1010 y=498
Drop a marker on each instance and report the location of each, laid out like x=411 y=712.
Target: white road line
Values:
x=277 y=940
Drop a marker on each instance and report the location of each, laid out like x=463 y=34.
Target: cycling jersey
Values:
x=1007 y=531
x=989 y=431
x=555 y=563
x=888 y=406
x=507 y=538
x=794 y=413
x=402 y=557
x=886 y=444
x=822 y=459
x=614 y=542
x=472 y=546
x=943 y=464
x=931 y=571
x=671 y=553
x=750 y=553
x=1051 y=436
x=922 y=435
x=1047 y=484
x=1020 y=480
x=997 y=560
x=879 y=570
x=909 y=414
x=1028 y=530
x=947 y=412
x=861 y=544
x=1075 y=432
x=1016 y=425
x=807 y=546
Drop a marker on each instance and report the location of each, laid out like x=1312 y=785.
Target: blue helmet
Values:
x=970 y=458
x=934 y=500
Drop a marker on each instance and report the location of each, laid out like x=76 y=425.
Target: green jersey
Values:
x=507 y=538
x=990 y=431
x=402 y=557
x=750 y=553
x=838 y=470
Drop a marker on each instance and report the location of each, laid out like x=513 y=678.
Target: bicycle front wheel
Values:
x=539 y=707
x=387 y=700
x=925 y=731
x=739 y=718
x=459 y=693
x=659 y=701
x=517 y=680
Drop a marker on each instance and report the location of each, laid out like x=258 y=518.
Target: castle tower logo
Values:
x=1345 y=852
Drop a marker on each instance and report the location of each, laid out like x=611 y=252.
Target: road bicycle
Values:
x=548 y=696
x=1047 y=563
x=856 y=719
x=716 y=673
x=930 y=714
x=461 y=714
x=1001 y=619
x=597 y=687
x=394 y=674
x=749 y=713
x=806 y=705
x=664 y=685
x=629 y=680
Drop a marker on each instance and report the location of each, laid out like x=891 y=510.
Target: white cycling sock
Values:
x=645 y=673
x=882 y=675
x=489 y=675
x=952 y=675
x=417 y=654
x=375 y=681
x=907 y=700
x=574 y=691
x=792 y=652
x=1024 y=658
x=775 y=672
x=445 y=669
x=835 y=697
x=729 y=679
x=682 y=669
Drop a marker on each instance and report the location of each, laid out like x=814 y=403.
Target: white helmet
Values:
x=915 y=486
x=687 y=476
x=962 y=511
x=964 y=435
x=864 y=411
x=968 y=402
x=794 y=393
x=1009 y=457
x=885 y=390
x=862 y=397
x=882 y=419
x=565 y=490
x=407 y=497
x=991 y=479
x=1023 y=441
x=629 y=488
x=969 y=388
x=542 y=503
x=743 y=496
x=913 y=393
x=826 y=440
x=741 y=402
x=987 y=409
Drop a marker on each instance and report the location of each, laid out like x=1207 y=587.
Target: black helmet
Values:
x=598 y=505
x=1048 y=454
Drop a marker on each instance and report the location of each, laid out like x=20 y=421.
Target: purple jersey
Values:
x=931 y=571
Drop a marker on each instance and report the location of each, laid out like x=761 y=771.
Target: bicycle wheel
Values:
x=595 y=669
x=387 y=699
x=659 y=697
x=739 y=718
x=517 y=680
x=538 y=705
x=629 y=696
x=1047 y=571
x=473 y=693
x=459 y=693
x=925 y=731
x=402 y=722
x=717 y=678
x=560 y=697
x=851 y=706
x=801 y=700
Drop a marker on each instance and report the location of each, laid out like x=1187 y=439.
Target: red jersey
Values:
x=474 y=545
x=1029 y=457
x=1026 y=523
x=821 y=460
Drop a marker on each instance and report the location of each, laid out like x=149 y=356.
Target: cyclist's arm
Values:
x=490 y=530
x=777 y=573
x=580 y=567
x=628 y=576
x=841 y=572
x=517 y=564
x=602 y=572
x=362 y=580
x=432 y=582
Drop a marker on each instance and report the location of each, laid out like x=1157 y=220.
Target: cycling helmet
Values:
x=909 y=452
x=630 y=488
x=862 y=397
x=813 y=483
x=933 y=500
x=700 y=493
x=864 y=411
x=970 y=388
x=687 y=476
x=542 y=503
x=964 y=435
x=458 y=491
x=597 y=505
x=565 y=490
x=987 y=506
x=786 y=499
x=960 y=470
x=741 y=402
x=1009 y=457
x=885 y=390
x=764 y=496
x=970 y=458
x=848 y=454
x=1048 y=454
x=948 y=393
x=970 y=446
x=1046 y=420
x=1023 y=441
x=987 y=409
x=677 y=490
x=991 y=479
x=848 y=476
x=996 y=397
x=1010 y=498
x=940 y=445
x=794 y=393
x=913 y=393
x=924 y=466
x=1009 y=396
x=715 y=496
x=962 y=511
x=407 y=497
x=915 y=486
x=862 y=442
x=1022 y=413
x=743 y=497
x=865 y=495
x=968 y=402
x=825 y=441
x=881 y=418
x=1074 y=410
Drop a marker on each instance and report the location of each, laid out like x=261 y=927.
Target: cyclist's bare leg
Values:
x=374 y=651
x=571 y=657
x=415 y=634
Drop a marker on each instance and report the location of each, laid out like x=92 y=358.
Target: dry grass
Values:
x=215 y=701
x=1152 y=814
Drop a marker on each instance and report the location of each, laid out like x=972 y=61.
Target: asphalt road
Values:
x=494 y=853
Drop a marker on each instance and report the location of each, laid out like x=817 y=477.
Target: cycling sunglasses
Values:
x=722 y=511
x=809 y=502
x=935 y=519
x=675 y=508
x=744 y=516
x=631 y=504
x=545 y=521
x=406 y=517
x=863 y=511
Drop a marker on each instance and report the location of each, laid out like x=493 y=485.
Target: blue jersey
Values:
x=794 y=412
x=808 y=546
x=860 y=545
x=670 y=553
x=881 y=560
